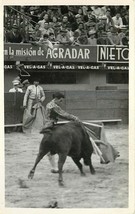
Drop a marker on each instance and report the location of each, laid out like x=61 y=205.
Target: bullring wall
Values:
x=87 y=105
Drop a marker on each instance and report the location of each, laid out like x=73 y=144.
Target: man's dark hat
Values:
x=58 y=95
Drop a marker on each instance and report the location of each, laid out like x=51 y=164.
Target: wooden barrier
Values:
x=98 y=105
x=87 y=105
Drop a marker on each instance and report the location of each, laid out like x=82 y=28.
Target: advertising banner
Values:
x=112 y=54
x=64 y=53
x=27 y=52
x=46 y=68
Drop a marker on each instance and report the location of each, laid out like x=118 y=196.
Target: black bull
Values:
x=71 y=140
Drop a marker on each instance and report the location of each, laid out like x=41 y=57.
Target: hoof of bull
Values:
x=93 y=171
x=83 y=174
x=54 y=171
x=31 y=174
x=61 y=183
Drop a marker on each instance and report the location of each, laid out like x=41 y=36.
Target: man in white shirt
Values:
x=33 y=117
x=15 y=87
x=34 y=94
x=46 y=29
x=44 y=42
x=96 y=11
x=117 y=20
x=42 y=22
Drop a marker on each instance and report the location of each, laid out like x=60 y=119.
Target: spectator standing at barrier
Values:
x=16 y=88
x=18 y=81
x=33 y=118
x=13 y=35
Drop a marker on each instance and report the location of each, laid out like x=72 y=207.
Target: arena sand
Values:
x=108 y=188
